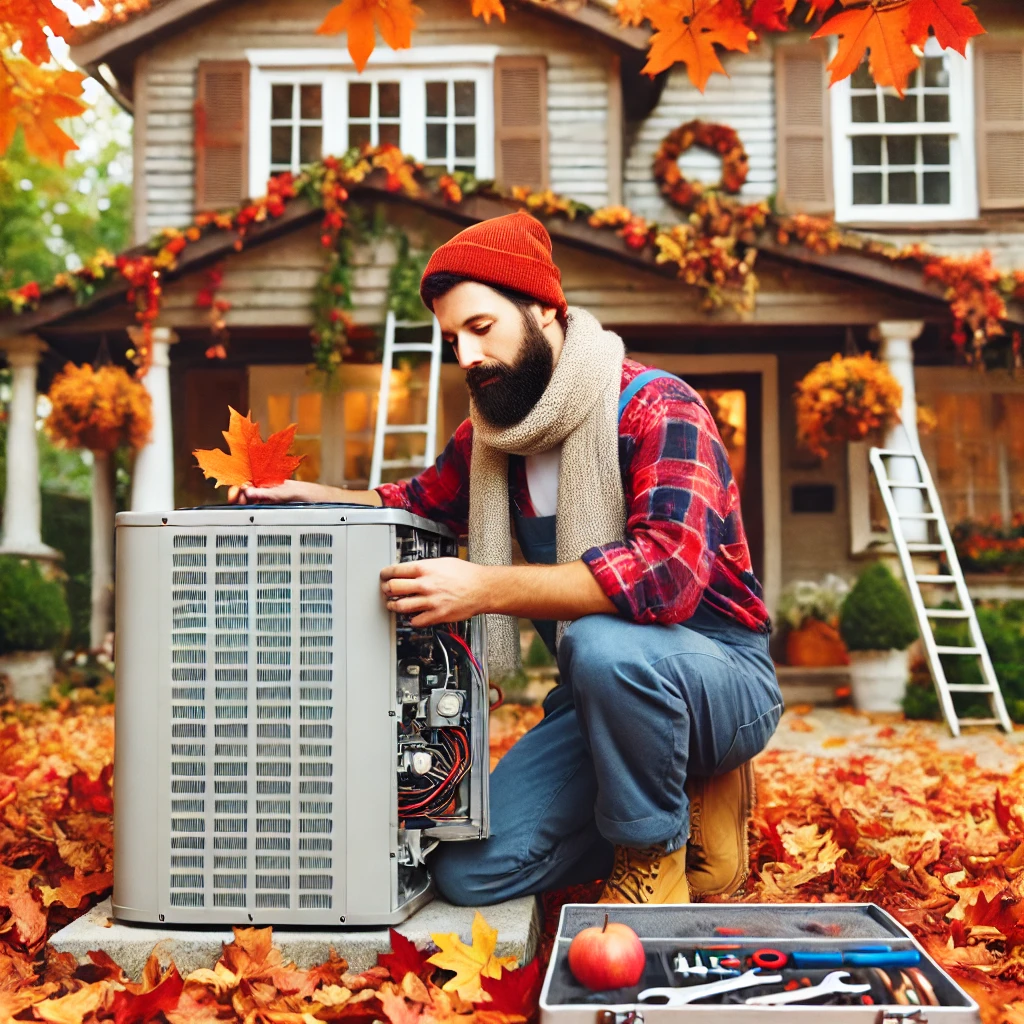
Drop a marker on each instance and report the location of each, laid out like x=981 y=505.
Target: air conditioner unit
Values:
x=287 y=751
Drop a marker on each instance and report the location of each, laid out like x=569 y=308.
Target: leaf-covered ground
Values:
x=928 y=827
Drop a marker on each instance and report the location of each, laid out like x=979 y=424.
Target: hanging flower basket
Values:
x=845 y=399
x=101 y=410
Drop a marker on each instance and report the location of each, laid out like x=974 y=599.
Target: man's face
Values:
x=507 y=357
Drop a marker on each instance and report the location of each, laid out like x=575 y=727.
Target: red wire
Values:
x=462 y=643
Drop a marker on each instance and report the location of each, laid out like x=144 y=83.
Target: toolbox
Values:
x=867 y=968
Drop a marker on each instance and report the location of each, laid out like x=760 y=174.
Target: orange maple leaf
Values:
x=74 y=889
x=24 y=21
x=36 y=98
x=251 y=460
x=361 y=18
x=487 y=9
x=687 y=31
x=882 y=30
x=952 y=20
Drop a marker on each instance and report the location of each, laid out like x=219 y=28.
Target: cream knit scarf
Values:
x=579 y=410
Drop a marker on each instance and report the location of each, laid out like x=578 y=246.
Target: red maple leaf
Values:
x=251 y=460
x=770 y=15
x=130 y=1008
x=515 y=992
x=1003 y=913
x=403 y=959
x=953 y=22
x=85 y=794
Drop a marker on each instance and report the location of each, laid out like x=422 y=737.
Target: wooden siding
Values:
x=744 y=101
x=577 y=89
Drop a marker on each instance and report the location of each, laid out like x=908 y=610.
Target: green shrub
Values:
x=1002 y=626
x=33 y=609
x=876 y=615
x=66 y=526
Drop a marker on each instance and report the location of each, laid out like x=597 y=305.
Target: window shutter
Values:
x=999 y=95
x=222 y=133
x=521 y=121
x=803 y=129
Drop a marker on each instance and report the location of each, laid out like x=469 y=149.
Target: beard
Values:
x=514 y=389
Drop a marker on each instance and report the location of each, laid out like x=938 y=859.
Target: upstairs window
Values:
x=907 y=158
x=439 y=113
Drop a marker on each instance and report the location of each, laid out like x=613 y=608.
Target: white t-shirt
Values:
x=542 y=480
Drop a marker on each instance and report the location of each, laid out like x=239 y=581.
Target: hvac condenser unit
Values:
x=287 y=751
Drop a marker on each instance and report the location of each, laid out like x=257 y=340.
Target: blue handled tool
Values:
x=866 y=957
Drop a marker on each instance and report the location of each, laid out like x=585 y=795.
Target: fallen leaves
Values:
x=250 y=460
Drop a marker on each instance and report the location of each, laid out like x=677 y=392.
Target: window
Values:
x=910 y=158
x=437 y=106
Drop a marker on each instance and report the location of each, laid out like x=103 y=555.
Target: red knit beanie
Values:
x=513 y=251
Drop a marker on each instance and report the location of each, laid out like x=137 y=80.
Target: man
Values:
x=616 y=477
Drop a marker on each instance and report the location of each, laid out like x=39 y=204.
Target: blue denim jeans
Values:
x=639 y=708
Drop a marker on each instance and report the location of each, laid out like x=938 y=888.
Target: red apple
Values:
x=608 y=957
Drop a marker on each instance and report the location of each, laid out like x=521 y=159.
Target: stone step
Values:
x=129 y=945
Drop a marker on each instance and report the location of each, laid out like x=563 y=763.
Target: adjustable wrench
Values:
x=681 y=996
x=830 y=984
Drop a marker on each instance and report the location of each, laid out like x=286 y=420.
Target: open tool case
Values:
x=667 y=931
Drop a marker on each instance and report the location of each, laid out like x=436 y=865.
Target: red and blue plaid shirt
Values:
x=684 y=537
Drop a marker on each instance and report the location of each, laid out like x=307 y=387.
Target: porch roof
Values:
x=922 y=298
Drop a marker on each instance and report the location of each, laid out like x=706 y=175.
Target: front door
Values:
x=735 y=402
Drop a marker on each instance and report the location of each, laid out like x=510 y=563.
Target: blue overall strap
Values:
x=637 y=383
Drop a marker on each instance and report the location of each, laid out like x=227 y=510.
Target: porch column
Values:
x=153 y=475
x=22 y=532
x=897 y=352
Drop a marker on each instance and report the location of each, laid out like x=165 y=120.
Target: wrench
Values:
x=681 y=996
x=830 y=984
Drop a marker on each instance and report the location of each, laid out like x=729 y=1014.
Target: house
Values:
x=226 y=93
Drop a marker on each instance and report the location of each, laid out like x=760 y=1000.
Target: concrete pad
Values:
x=517 y=923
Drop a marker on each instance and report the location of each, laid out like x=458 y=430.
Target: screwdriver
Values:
x=867 y=956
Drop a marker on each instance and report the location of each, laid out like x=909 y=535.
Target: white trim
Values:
x=964 y=203
x=771 y=457
x=334 y=71
x=324 y=57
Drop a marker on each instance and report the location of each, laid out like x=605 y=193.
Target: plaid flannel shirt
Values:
x=684 y=537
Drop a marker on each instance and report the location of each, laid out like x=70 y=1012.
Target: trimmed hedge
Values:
x=877 y=614
x=33 y=610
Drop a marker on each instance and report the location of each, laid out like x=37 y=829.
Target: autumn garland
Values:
x=714 y=249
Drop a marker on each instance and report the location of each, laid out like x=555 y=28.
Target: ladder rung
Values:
x=915 y=549
x=900 y=483
x=412 y=346
x=957 y=650
x=406 y=428
x=935 y=579
x=980 y=721
x=918 y=515
x=969 y=688
x=947 y=613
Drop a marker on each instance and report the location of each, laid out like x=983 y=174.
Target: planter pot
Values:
x=29 y=675
x=816 y=644
x=878 y=679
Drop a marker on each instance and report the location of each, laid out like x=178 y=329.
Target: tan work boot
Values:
x=718 y=857
x=647 y=876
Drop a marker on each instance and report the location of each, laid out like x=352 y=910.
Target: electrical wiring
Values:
x=452 y=762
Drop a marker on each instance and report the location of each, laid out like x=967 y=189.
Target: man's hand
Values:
x=435 y=590
x=299 y=490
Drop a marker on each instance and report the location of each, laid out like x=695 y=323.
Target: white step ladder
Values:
x=882 y=460
x=385 y=429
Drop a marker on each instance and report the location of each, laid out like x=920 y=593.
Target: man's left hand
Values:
x=435 y=590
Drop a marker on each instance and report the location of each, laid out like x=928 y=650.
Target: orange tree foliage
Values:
x=690 y=32
x=917 y=825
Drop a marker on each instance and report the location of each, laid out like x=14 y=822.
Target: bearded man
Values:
x=618 y=487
